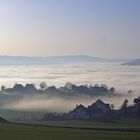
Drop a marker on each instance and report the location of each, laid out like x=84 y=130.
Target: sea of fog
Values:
x=123 y=78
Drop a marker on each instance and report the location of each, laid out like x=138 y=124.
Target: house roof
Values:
x=99 y=101
x=81 y=107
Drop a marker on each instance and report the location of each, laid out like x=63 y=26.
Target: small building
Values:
x=132 y=111
x=137 y=106
x=100 y=106
x=99 y=109
x=79 y=113
x=129 y=111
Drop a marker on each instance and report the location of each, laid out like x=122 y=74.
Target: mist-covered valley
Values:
x=122 y=78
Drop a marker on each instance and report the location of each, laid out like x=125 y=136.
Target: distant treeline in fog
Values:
x=68 y=89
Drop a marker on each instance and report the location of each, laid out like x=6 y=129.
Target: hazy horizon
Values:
x=72 y=55
x=108 y=29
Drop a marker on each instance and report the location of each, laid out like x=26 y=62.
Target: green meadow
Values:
x=11 y=131
x=123 y=123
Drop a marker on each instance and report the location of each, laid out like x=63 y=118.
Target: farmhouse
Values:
x=132 y=111
x=79 y=113
x=96 y=110
x=99 y=107
x=137 y=105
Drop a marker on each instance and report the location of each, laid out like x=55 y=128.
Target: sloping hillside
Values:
x=135 y=62
x=2 y=120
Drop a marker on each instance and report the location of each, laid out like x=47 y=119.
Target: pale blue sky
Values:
x=105 y=28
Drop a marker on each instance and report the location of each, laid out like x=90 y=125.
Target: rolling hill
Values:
x=2 y=120
x=10 y=60
x=135 y=62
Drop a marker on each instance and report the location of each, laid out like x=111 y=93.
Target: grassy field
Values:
x=123 y=123
x=119 y=124
x=33 y=132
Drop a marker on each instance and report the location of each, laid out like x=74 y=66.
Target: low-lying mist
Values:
x=123 y=78
x=45 y=103
x=19 y=107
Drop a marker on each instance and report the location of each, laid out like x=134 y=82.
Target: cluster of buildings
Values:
x=101 y=110
x=97 y=111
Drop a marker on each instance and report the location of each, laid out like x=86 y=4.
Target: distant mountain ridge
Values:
x=4 y=60
x=135 y=62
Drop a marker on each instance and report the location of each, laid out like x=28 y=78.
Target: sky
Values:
x=103 y=28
